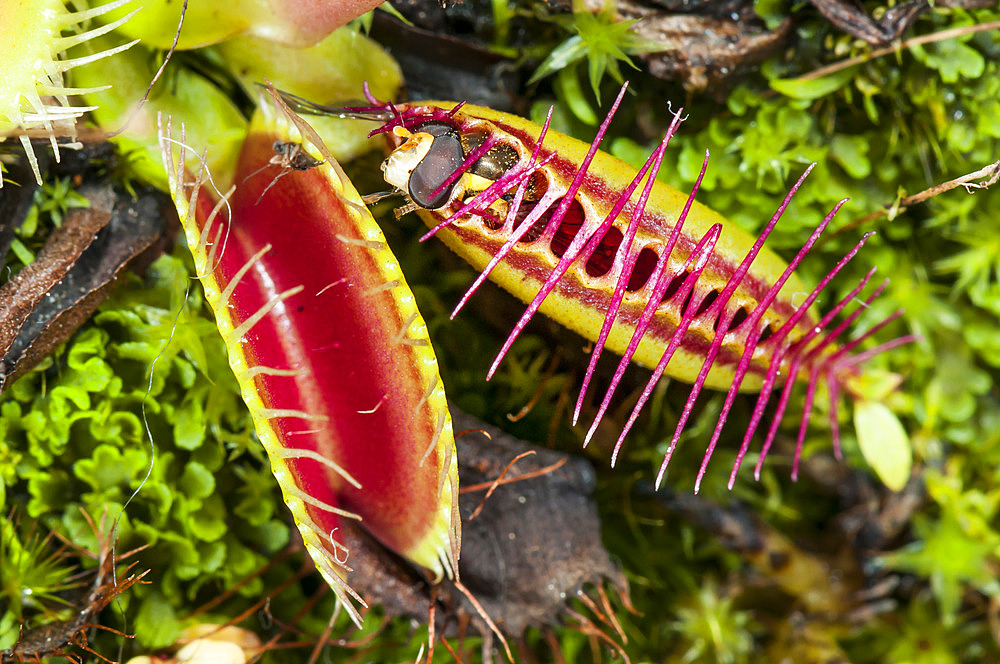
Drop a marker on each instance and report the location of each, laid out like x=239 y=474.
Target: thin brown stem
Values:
x=451 y=650
x=941 y=35
x=604 y=618
x=211 y=604
x=611 y=613
x=272 y=643
x=550 y=638
x=495 y=483
x=586 y=626
x=988 y=175
x=324 y=637
x=431 y=636
x=519 y=478
x=486 y=618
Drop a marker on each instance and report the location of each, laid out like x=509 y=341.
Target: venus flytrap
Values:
x=654 y=276
x=757 y=143
x=330 y=352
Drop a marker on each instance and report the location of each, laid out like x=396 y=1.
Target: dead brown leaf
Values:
x=48 y=300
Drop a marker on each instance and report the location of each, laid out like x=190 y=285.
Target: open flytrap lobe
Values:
x=331 y=354
x=637 y=267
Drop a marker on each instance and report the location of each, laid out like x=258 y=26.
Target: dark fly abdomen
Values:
x=498 y=159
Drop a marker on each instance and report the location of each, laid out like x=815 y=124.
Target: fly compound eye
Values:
x=443 y=158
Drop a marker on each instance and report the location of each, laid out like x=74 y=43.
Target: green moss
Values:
x=710 y=629
x=75 y=432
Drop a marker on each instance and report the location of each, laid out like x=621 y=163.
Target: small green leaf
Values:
x=602 y=40
x=196 y=482
x=953 y=59
x=10 y=630
x=21 y=252
x=561 y=57
x=772 y=11
x=189 y=427
x=884 y=443
x=568 y=85
x=851 y=152
x=988 y=119
x=272 y=536
x=212 y=555
x=799 y=88
x=208 y=523
x=47 y=489
x=157 y=622
x=111 y=468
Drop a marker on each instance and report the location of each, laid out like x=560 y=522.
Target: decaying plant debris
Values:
x=850 y=18
x=48 y=300
x=702 y=49
x=698 y=43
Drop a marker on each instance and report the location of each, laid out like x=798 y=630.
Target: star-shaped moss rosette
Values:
x=331 y=354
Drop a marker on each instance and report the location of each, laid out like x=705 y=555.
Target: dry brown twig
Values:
x=942 y=35
x=986 y=176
